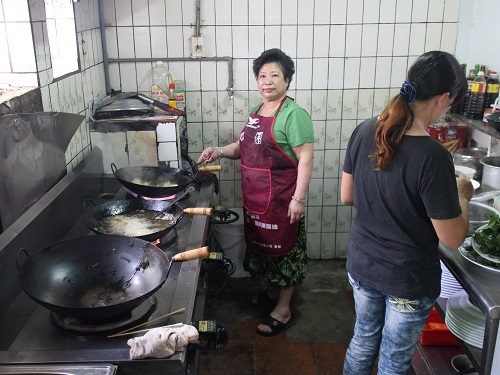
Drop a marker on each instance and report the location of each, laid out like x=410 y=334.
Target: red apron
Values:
x=268 y=181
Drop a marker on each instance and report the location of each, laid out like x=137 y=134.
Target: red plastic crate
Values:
x=436 y=332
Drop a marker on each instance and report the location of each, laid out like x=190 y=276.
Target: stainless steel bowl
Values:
x=470 y=157
x=479 y=215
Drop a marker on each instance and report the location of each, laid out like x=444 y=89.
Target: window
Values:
x=62 y=36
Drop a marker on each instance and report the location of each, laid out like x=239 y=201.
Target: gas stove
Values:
x=31 y=335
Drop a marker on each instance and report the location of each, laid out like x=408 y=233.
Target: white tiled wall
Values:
x=351 y=57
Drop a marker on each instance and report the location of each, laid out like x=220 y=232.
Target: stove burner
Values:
x=131 y=194
x=83 y=327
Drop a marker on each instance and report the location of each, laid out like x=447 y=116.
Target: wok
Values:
x=134 y=217
x=96 y=277
x=156 y=182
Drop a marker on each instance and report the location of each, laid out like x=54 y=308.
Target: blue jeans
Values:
x=387 y=326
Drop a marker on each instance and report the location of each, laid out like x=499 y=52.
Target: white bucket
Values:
x=231 y=237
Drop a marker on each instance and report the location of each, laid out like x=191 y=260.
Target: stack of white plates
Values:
x=449 y=285
x=465 y=320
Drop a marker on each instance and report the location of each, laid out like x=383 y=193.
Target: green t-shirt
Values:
x=293 y=127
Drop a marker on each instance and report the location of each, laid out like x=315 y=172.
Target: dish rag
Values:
x=162 y=342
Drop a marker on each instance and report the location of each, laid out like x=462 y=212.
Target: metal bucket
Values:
x=491 y=173
x=470 y=157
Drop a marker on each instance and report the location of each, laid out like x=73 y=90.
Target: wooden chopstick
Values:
x=145 y=330
x=149 y=321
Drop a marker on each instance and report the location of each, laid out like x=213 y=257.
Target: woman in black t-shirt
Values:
x=403 y=186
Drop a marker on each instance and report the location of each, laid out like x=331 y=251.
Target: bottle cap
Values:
x=171 y=86
x=480 y=73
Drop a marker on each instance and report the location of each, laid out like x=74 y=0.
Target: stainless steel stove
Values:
x=28 y=337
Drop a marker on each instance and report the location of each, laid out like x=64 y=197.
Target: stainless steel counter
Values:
x=29 y=337
x=482 y=286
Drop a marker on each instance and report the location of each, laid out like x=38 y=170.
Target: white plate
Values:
x=475 y=184
x=470 y=257
x=477 y=248
x=469 y=172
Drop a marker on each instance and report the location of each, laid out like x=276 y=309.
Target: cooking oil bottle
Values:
x=159 y=87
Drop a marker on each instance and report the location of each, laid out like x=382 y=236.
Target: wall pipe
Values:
x=105 y=61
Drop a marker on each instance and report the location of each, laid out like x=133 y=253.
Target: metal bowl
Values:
x=479 y=215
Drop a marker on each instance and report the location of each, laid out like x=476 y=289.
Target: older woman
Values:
x=276 y=152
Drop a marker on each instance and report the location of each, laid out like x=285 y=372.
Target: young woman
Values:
x=407 y=199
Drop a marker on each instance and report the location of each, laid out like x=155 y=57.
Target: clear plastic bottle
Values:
x=475 y=107
x=159 y=87
x=180 y=94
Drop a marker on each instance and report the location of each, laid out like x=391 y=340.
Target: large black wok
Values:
x=96 y=277
x=153 y=182
x=133 y=217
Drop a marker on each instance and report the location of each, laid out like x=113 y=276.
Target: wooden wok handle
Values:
x=210 y=168
x=201 y=252
x=199 y=211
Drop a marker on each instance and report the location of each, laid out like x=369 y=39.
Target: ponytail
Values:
x=391 y=126
x=433 y=73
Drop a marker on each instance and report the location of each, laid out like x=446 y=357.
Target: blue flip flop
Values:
x=276 y=326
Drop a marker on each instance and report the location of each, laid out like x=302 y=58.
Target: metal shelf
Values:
x=475 y=124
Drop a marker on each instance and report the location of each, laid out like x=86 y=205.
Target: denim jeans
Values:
x=386 y=326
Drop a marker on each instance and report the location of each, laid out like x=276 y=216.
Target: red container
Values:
x=436 y=332
x=452 y=136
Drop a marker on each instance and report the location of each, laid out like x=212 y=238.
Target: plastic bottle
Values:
x=159 y=87
x=492 y=86
x=172 y=101
x=465 y=100
x=180 y=94
x=475 y=107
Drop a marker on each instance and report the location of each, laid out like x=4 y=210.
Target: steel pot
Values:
x=96 y=277
x=491 y=173
x=470 y=157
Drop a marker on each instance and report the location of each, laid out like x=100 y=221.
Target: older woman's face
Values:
x=271 y=82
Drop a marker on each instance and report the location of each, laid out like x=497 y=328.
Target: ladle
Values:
x=174 y=201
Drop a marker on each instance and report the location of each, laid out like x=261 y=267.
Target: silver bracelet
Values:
x=220 y=151
x=303 y=201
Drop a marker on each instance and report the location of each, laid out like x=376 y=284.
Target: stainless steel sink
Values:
x=58 y=369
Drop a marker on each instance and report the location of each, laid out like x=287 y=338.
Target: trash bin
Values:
x=231 y=237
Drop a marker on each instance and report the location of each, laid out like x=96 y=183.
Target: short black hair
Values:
x=277 y=56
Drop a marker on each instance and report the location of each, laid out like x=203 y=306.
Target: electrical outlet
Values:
x=197 y=47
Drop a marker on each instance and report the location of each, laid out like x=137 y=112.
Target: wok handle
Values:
x=207 y=211
x=210 y=168
x=22 y=250
x=201 y=252
x=113 y=168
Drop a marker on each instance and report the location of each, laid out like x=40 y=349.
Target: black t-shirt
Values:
x=393 y=246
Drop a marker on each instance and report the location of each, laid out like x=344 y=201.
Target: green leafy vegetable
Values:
x=489 y=237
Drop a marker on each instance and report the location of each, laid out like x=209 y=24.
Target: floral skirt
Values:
x=282 y=271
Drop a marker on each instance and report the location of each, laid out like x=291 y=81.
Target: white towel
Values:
x=162 y=342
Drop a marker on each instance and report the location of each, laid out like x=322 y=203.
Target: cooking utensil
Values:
x=155 y=182
x=177 y=199
x=130 y=331
x=96 y=277
x=491 y=173
x=479 y=215
x=132 y=217
x=478 y=249
x=470 y=157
